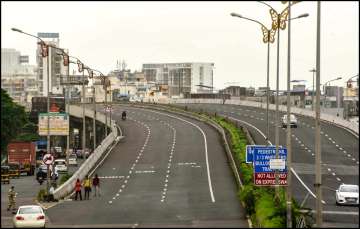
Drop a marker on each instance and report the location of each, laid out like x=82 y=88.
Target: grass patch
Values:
x=64 y=178
x=41 y=195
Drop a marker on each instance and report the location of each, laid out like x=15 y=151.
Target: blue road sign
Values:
x=250 y=151
x=262 y=158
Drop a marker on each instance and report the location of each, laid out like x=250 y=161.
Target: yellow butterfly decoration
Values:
x=268 y=35
x=282 y=20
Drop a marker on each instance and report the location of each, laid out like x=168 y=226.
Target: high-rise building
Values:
x=56 y=67
x=18 y=78
x=181 y=78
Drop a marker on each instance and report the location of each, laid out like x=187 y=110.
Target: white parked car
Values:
x=73 y=159
x=60 y=165
x=347 y=194
x=29 y=216
x=293 y=121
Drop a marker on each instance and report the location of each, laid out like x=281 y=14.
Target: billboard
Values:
x=263 y=175
x=48 y=35
x=59 y=124
x=24 y=59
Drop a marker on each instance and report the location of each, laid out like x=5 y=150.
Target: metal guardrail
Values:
x=67 y=187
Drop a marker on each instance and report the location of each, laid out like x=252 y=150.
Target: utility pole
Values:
x=317 y=125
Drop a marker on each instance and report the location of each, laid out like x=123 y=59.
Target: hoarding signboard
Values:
x=250 y=151
x=262 y=159
x=268 y=179
x=59 y=124
x=263 y=174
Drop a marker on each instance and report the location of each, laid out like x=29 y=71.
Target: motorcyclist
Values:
x=123 y=115
x=41 y=175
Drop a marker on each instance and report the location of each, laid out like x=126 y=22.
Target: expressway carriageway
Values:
x=340 y=157
x=168 y=171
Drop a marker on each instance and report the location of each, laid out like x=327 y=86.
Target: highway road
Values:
x=168 y=171
x=340 y=157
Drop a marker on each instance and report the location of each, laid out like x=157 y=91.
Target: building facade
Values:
x=180 y=78
x=56 y=67
x=18 y=78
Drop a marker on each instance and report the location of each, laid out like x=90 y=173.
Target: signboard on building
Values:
x=24 y=59
x=48 y=35
x=263 y=174
x=59 y=124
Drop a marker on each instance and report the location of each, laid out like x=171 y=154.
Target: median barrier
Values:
x=67 y=187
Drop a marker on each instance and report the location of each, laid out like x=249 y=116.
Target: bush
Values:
x=65 y=178
x=247 y=195
x=41 y=195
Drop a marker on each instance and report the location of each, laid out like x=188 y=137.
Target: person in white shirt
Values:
x=51 y=194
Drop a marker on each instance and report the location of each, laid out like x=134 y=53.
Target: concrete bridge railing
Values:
x=67 y=188
x=353 y=127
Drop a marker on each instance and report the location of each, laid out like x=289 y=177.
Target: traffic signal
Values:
x=80 y=66
x=44 y=50
x=66 y=60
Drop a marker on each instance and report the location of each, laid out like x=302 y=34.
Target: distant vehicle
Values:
x=293 y=121
x=5 y=174
x=135 y=99
x=29 y=216
x=123 y=115
x=42 y=173
x=79 y=153
x=24 y=154
x=73 y=159
x=347 y=194
x=59 y=152
x=14 y=170
x=60 y=165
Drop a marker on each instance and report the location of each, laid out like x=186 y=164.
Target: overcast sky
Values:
x=100 y=33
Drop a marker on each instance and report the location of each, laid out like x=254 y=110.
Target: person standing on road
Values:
x=96 y=184
x=87 y=187
x=78 y=189
x=12 y=195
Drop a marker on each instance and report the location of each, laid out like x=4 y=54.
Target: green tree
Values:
x=13 y=118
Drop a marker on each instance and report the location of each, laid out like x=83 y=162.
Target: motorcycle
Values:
x=40 y=180
x=123 y=116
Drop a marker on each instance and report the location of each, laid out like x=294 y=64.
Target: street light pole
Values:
x=83 y=114
x=48 y=120
x=44 y=53
x=317 y=126
x=94 y=119
x=288 y=132
x=312 y=92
